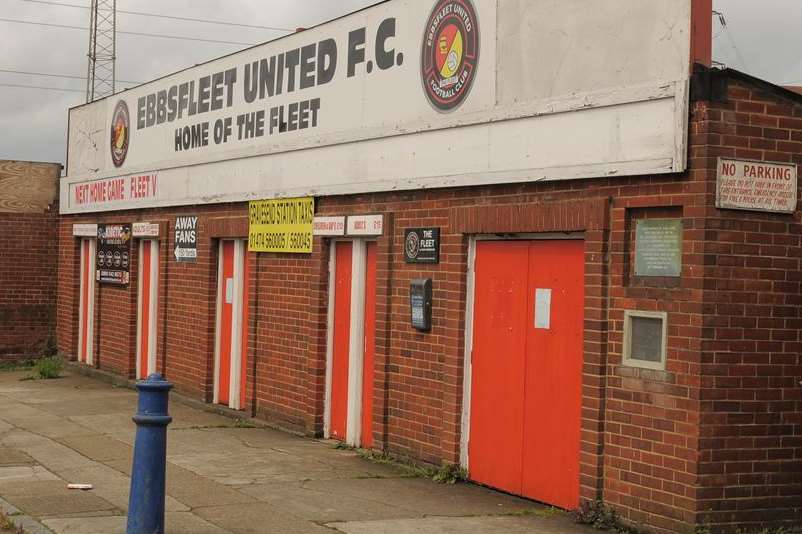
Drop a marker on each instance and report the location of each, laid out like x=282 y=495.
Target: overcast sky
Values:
x=760 y=38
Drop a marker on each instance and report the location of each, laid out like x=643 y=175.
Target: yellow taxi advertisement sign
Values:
x=281 y=225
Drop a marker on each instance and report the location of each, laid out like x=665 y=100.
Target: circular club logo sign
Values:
x=120 y=133
x=450 y=53
x=412 y=245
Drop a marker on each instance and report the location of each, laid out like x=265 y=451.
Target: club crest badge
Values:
x=120 y=133
x=450 y=53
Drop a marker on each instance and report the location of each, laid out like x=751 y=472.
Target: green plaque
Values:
x=658 y=247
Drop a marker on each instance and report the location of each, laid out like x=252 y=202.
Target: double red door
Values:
x=231 y=350
x=526 y=368
x=352 y=342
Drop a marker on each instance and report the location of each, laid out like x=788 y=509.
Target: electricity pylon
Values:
x=102 y=53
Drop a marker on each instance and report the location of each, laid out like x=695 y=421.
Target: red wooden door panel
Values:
x=342 y=339
x=144 y=310
x=227 y=310
x=246 y=275
x=553 y=391
x=87 y=277
x=370 y=346
x=497 y=384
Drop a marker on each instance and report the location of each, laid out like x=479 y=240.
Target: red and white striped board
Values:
x=351 y=340
x=231 y=339
x=86 y=302
x=147 y=298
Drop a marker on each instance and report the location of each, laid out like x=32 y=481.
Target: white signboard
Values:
x=756 y=186
x=365 y=224
x=84 y=230
x=328 y=226
x=402 y=95
x=144 y=229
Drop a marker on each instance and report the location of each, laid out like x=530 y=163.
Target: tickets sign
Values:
x=281 y=225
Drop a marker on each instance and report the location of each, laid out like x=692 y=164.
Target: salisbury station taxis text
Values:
x=116 y=189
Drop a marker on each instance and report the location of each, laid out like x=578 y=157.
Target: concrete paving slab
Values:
x=52 y=498
x=25 y=473
x=258 y=518
x=458 y=525
x=86 y=525
x=47 y=452
x=54 y=426
x=316 y=505
x=112 y=485
x=119 y=425
x=9 y=456
x=99 y=448
x=427 y=498
x=188 y=523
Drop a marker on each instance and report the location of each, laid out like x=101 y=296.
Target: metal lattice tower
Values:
x=102 y=53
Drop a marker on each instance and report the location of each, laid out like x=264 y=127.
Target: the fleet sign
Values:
x=402 y=95
x=281 y=225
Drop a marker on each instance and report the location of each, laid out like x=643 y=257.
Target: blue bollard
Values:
x=148 y=474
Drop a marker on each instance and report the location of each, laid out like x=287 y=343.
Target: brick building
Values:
x=28 y=250
x=614 y=270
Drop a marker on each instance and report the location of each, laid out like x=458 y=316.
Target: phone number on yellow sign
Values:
x=280 y=241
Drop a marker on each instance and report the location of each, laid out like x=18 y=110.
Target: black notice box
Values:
x=420 y=304
x=422 y=245
x=114 y=253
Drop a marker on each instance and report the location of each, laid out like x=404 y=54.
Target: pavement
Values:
x=221 y=475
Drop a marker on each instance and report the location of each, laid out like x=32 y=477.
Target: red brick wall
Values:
x=750 y=466
x=651 y=441
x=28 y=252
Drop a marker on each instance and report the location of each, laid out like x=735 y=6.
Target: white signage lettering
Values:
x=84 y=230
x=328 y=226
x=144 y=229
x=365 y=225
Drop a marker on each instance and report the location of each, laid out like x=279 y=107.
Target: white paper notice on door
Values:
x=229 y=290
x=543 y=308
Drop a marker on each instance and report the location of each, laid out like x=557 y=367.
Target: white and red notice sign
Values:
x=756 y=186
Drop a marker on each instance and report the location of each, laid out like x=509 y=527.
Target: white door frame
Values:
x=152 y=306
x=356 y=345
x=465 y=423
x=90 y=299
x=235 y=380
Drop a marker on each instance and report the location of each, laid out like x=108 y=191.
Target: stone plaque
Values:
x=658 y=247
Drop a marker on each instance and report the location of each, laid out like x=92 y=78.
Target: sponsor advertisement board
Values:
x=114 y=254
x=281 y=225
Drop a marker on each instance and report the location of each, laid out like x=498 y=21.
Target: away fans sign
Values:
x=186 y=238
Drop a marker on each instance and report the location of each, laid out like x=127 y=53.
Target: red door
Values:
x=226 y=321
x=146 y=312
x=353 y=343
x=231 y=363
x=526 y=383
x=86 y=302
x=342 y=339
x=370 y=346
